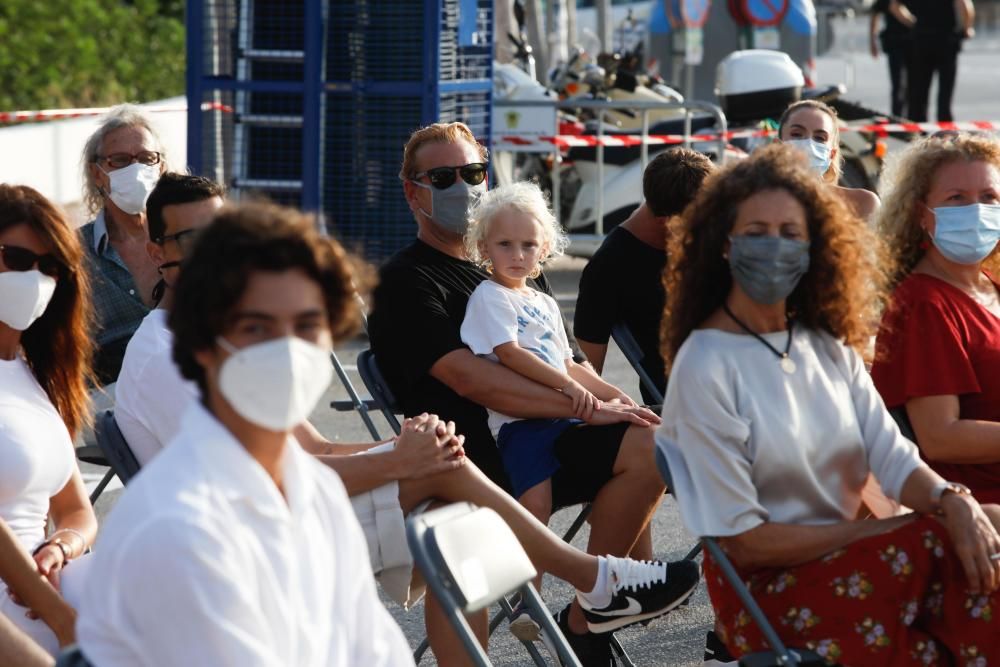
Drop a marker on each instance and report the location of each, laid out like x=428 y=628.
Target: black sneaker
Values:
x=641 y=590
x=590 y=649
x=716 y=653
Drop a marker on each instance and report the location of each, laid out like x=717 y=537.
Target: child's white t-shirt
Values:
x=496 y=315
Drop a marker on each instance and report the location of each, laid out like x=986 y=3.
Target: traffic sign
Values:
x=764 y=13
x=695 y=12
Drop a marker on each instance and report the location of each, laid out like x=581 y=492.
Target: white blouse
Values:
x=748 y=443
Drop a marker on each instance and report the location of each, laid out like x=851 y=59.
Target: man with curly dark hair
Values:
x=772 y=426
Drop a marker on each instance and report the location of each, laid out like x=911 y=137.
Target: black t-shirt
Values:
x=623 y=283
x=417 y=315
x=935 y=18
x=894 y=31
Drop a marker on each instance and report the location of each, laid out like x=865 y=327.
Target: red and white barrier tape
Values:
x=564 y=141
x=62 y=114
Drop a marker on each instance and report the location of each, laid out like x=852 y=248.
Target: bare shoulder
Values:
x=863 y=202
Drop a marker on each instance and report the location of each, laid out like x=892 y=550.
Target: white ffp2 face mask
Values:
x=24 y=296
x=131 y=185
x=275 y=384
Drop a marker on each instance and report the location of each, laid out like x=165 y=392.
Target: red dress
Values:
x=937 y=340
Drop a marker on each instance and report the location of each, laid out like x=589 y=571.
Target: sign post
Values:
x=694 y=14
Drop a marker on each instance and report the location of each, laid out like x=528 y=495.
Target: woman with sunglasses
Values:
x=938 y=351
x=812 y=128
x=771 y=426
x=122 y=162
x=44 y=362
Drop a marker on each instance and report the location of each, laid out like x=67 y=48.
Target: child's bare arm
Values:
x=595 y=384
x=519 y=360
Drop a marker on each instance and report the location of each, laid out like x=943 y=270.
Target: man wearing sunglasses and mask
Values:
x=122 y=161
x=415 y=325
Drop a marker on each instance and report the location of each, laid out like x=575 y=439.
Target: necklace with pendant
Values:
x=784 y=360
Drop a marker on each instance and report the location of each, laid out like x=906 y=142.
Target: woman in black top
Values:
x=895 y=39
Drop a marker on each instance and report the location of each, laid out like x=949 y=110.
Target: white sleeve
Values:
x=706 y=442
x=891 y=456
x=184 y=605
x=490 y=320
x=560 y=324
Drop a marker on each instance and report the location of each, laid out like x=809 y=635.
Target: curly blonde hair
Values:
x=905 y=183
x=836 y=169
x=525 y=198
x=843 y=290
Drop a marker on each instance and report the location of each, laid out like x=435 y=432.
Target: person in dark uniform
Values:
x=938 y=26
x=895 y=42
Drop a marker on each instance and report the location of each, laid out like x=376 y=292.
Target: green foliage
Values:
x=83 y=53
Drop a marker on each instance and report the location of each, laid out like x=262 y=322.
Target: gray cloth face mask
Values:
x=767 y=268
x=450 y=207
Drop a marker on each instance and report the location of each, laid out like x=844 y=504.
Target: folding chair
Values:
x=92 y=454
x=471 y=559
x=384 y=400
x=779 y=653
x=902 y=419
x=633 y=354
x=112 y=444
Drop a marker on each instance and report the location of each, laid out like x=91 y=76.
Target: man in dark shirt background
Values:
x=938 y=28
x=623 y=280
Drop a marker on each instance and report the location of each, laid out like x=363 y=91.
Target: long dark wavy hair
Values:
x=57 y=346
x=844 y=289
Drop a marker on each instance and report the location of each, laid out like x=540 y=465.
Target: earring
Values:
x=535 y=272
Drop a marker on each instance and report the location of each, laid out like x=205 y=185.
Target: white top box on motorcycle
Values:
x=757 y=83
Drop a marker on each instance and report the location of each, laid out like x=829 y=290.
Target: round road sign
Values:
x=764 y=13
x=695 y=12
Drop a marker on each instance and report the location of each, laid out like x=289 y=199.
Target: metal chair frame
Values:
x=626 y=342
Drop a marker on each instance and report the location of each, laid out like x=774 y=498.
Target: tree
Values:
x=81 y=53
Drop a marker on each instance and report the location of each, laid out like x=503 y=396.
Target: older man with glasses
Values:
x=122 y=162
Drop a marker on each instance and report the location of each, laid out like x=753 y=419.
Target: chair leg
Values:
x=619 y=650
x=577 y=523
x=108 y=476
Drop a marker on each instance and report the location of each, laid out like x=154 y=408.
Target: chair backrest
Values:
x=473 y=549
x=902 y=419
x=470 y=558
x=378 y=388
x=112 y=443
x=633 y=354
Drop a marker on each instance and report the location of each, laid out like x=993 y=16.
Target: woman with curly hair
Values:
x=771 y=426
x=44 y=364
x=938 y=351
x=813 y=128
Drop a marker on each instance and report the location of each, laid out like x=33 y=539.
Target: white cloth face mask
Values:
x=131 y=185
x=24 y=296
x=275 y=384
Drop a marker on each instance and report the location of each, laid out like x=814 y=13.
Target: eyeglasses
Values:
x=184 y=238
x=17 y=258
x=444 y=177
x=120 y=160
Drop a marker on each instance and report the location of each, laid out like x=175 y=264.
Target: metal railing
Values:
x=600 y=108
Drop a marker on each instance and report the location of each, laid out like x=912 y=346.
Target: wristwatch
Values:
x=943 y=487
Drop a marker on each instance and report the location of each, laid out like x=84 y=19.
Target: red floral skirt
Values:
x=890 y=600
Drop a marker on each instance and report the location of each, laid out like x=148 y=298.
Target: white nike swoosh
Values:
x=632 y=609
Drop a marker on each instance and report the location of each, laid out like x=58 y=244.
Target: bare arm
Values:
x=516 y=358
x=902 y=13
x=501 y=389
x=17 y=648
x=786 y=545
x=873 y=35
x=595 y=353
x=426 y=446
x=944 y=436
x=20 y=572
x=313 y=442
x=966 y=13
x=594 y=383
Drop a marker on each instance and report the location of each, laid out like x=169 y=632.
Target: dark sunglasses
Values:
x=120 y=160
x=16 y=258
x=444 y=177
